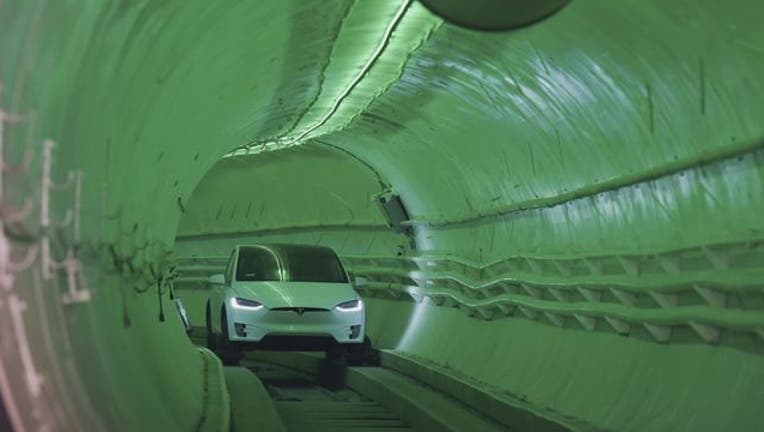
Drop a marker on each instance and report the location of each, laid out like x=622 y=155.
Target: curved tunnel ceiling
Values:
x=584 y=193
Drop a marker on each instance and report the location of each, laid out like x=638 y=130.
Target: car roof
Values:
x=287 y=247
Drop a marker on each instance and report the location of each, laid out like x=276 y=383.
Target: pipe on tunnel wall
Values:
x=584 y=192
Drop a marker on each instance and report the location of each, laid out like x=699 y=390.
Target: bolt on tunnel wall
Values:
x=584 y=198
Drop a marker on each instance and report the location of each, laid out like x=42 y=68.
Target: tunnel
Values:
x=553 y=209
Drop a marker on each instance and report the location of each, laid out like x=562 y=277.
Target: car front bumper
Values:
x=255 y=325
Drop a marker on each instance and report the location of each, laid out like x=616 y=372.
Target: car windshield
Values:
x=257 y=264
x=300 y=264
x=311 y=264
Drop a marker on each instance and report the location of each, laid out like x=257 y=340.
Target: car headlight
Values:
x=242 y=303
x=350 y=306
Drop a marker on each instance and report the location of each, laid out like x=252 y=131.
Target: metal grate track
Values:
x=304 y=405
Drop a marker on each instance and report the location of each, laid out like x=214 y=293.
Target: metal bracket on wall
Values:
x=658 y=302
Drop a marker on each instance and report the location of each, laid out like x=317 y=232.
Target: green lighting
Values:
x=583 y=198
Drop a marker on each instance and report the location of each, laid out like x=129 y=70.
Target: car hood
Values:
x=296 y=294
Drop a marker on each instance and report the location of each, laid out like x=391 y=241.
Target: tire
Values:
x=361 y=348
x=363 y=353
x=212 y=339
x=336 y=353
x=230 y=353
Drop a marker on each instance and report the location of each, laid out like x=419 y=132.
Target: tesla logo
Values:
x=300 y=311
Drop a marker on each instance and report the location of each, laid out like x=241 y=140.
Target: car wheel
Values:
x=212 y=339
x=229 y=352
x=336 y=353
x=361 y=348
x=363 y=353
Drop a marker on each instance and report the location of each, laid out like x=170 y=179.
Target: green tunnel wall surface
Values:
x=585 y=195
x=280 y=195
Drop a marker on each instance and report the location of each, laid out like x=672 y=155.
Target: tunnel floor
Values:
x=305 y=402
x=310 y=393
x=305 y=405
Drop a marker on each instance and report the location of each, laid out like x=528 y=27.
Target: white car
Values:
x=290 y=297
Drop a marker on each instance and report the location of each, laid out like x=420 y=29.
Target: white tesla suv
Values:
x=290 y=297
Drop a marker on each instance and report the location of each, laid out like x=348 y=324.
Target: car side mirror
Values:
x=360 y=281
x=217 y=279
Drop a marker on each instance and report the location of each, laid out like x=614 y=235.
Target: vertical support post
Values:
x=73 y=272
x=31 y=376
x=77 y=206
x=45 y=209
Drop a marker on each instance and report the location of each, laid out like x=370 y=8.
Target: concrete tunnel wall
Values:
x=585 y=195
